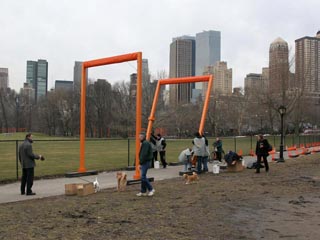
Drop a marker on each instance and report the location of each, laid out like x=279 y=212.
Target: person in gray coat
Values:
x=27 y=161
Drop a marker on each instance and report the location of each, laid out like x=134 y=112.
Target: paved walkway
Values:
x=54 y=187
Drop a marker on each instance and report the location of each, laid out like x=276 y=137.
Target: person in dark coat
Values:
x=262 y=148
x=27 y=161
x=145 y=157
x=232 y=157
x=218 y=148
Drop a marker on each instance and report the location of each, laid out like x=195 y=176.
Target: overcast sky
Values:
x=64 y=31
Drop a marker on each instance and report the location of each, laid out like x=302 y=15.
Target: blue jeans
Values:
x=199 y=164
x=145 y=184
x=205 y=163
x=187 y=164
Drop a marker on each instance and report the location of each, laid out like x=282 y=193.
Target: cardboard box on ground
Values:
x=80 y=189
x=238 y=167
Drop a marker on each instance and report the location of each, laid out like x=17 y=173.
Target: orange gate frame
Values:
x=207 y=78
x=106 y=61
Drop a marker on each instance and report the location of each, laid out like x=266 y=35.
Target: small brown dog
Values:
x=122 y=181
x=191 y=178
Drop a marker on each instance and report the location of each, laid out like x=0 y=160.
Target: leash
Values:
x=84 y=180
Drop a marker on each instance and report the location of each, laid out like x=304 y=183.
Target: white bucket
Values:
x=243 y=163
x=156 y=164
x=215 y=168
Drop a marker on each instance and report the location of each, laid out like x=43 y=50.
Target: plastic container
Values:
x=156 y=164
x=215 y=168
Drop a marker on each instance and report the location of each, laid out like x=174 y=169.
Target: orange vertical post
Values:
x=206 y=105
x=153 y=110
x=138 y=113
x=83 y=120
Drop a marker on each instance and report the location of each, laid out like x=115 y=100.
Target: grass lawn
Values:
x=62 y=154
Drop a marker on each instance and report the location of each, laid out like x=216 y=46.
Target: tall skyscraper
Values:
x=4 y=78
x=222 y=79
x=145 y=81
x=208 y=50
x=32 y=67
x=182 y=64
x=133 y=89
x=77 y=73
x=145 y=71
x=42 y=79
x=307 y=63
x=278 y=67
x=37 y=77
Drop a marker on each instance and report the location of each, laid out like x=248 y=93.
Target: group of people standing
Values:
x=199 y=154
x=201 y=151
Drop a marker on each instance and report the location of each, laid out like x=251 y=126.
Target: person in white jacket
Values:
x=199 y=150
x=185 y=158
x=161 y=147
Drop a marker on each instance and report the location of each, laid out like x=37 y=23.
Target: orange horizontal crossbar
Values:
x=111 y=60
x=184 y=80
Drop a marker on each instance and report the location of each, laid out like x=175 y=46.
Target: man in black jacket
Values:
x=27 y=161
x=145 y=158
x=262 y=148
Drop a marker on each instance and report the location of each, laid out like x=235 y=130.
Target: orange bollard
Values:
x=272 y=153
x=252 y=153
x=240 y=153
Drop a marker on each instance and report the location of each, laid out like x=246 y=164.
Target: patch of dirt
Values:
x=283 y=204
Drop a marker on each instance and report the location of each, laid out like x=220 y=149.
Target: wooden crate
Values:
x=235 y=168
x=85 y=189
x=70 y=189
x=80 y=189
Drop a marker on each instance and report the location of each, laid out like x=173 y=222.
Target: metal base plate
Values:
x=78 y=174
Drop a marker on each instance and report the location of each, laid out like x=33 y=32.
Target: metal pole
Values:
x=281 y=141
x=17 y=159
x=128 y=152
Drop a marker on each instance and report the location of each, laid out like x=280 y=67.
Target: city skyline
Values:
x=76 y=31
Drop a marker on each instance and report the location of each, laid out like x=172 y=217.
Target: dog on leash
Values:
x=122 y=181
x=96 y=185
x=191 y=178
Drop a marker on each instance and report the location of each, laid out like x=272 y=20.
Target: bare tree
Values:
x=123 y=109
x=48 y=113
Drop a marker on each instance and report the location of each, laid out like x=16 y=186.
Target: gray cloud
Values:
x=65 y=31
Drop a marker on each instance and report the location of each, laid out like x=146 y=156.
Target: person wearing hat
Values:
x=26 y=158
x=145 y=158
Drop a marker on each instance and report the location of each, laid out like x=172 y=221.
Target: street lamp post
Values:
x=17 y=113
x=282 y=110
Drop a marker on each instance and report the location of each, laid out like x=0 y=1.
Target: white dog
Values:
x=96 y=185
